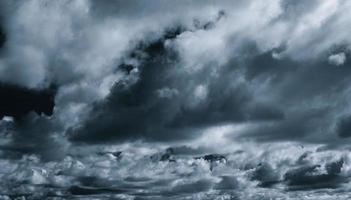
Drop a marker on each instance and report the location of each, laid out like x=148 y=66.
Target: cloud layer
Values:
x=166 y=73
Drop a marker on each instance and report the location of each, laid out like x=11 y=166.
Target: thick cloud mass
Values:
x=16 y=101
x=167 y=102
x=83 y=75
x=134 y=70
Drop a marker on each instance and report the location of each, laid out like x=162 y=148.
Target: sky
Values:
x=175 y=80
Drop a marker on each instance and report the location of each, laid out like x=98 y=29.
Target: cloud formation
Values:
x=162 y=71
x=175 y=99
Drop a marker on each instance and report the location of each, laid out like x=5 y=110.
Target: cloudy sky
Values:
x=85 y=78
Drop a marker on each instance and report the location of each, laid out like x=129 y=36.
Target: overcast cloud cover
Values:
x=124 y=99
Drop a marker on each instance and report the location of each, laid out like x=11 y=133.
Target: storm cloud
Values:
x=83 y=81
x=136 y=71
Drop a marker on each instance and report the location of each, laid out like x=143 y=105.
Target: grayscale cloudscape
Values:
x=217 y=99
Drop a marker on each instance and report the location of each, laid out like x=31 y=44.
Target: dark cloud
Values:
x=195 y=101
x=264 y=66
x=2 y=37
x=298 y=126
x=168 y=71
x=343 y=127
x=264 y=173
x=311 y=94
x=307 y=177
x=17 y=101
x=175 y=99
x=34 y=134
x=301 y=99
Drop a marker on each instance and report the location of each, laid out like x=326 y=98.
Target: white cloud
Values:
x=337 y=59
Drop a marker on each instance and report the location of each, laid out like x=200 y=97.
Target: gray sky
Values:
x=168 y=71
x=175 y=99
